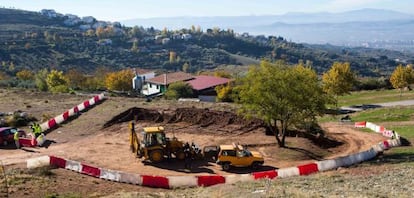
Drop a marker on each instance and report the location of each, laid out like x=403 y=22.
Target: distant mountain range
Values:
x=367 y=27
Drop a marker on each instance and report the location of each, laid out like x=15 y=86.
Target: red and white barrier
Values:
x=71 y=112
x=209 y=180
x=360 y=124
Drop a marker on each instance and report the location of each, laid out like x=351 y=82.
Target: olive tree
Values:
x=281 y=95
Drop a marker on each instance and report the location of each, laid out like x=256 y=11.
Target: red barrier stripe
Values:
x=66 y=115
x=265 y=174
x=155 y=181
x=90 y=170
x=210 y=180
x=57 y=161
x=308 y=169
x=75 y=109
x=26 y=142
x=86 y=104
x=386 y=144
x=96 y=99
x=51 y=123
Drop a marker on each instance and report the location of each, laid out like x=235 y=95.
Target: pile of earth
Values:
x=15 y=119
x=195 y=116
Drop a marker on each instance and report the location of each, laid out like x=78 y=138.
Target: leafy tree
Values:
x=338 y=80
x=119 y=81
x=57 y=82
x=11 y=67
x=224 y=93
x=402 y=77
x=3 y=76
x=281 y=95
x=179 y=90
x=25 y=75
x=186 y=67
x=76 y=80
x=173 y=57
x=222 y=74
x=40 y=79
x=134 y=47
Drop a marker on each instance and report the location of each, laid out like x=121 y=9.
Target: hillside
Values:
x=376 y=28
x=46 y=39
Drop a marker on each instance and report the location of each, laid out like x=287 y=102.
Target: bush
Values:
x=179 y=90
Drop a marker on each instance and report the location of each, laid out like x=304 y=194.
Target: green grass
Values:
x=394 y=114
x=371 y=97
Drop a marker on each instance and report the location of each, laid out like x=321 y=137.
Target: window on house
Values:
x=158 y=87
x=150 y=85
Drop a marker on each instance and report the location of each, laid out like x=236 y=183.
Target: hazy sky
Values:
x=116 y=10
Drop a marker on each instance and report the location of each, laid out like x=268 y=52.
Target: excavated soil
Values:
x=227 y=121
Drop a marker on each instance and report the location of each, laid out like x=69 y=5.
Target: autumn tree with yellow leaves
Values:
x=25 y=75
x=338 y=80
x=119 y=81
x=402 y=77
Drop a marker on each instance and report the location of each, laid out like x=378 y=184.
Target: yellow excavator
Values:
x=154 y=145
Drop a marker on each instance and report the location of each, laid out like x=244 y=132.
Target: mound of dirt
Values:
x=194 y=116
x=206 y=117
x=137 y=114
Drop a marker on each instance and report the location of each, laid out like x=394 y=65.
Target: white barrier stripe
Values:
x=38 y=162
x=45 y=126
x=73 y=166
x=81 y=107
x=326 y=165
x=91 y=101
x=288 y=172
x=101 y=96
x=110 y=175
x=59 y=119
x=182 y=181
x=231 y=179
x=72 y=112
x=130 y=178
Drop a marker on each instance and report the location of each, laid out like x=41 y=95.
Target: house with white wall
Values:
x=160 y=83
x=140 y=78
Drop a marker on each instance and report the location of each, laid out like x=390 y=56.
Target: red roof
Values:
x=205 y=82
x=171 y=78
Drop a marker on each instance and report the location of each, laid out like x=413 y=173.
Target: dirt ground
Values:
x=86 y=139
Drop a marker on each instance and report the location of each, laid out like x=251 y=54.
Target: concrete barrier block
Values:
x=327 y=165
x=38 y=162
x=73 y=166
x=110 y=175
x=288 y=172
x=231 y=179
x=59 y=119
x=182 y=181
x=130 y=178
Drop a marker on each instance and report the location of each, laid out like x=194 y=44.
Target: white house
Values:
x=160 y=83
x=140 y=78
x=186 y=36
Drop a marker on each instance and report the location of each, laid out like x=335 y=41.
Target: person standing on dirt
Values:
x=37 y=130
x=16 y=138
x=187 y=158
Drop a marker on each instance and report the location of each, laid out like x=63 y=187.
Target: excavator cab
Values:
x=155 y=146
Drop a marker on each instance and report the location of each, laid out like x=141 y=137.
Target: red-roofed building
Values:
x=204 y=86
x=159 y=84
